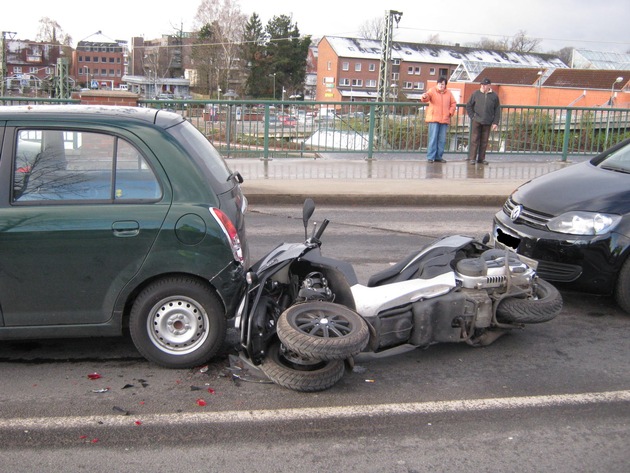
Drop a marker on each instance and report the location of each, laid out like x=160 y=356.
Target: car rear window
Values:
x=204 y=154
x=72 y=165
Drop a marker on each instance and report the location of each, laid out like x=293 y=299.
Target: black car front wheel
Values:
x=622 y=289
x=177 y=323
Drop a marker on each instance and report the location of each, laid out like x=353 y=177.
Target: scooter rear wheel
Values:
x=323 y=330
x=544 y=306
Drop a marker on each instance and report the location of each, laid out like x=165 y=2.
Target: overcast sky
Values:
x=589 y=24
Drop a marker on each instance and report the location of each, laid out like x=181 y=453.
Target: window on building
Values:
x=344 y=81
x=407 y=85
x=32 y=70
x=357 y=83
x=95 y=59
x=87 y=59
x=416 y=70
x=372 y=67
x=444 y=72
x=103 y=59
x=432 y=71
x=357 y=67
x=410 y=70
x=345 y=66
x=396 y=62
x=418 y=85
x=370 y=83
x=395 y=76
x=17 y=70
x=329 y=65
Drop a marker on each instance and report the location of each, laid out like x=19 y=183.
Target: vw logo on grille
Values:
x=516 y=212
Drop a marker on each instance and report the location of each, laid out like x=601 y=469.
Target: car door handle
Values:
x=126 y=228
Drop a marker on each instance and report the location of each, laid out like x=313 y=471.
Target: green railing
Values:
x=245 y=128
x=293 y=128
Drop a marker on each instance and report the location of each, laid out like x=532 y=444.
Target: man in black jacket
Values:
x=484 y=111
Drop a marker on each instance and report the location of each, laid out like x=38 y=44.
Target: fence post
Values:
x=567 y=136
x=266 y=134
x=371 y=132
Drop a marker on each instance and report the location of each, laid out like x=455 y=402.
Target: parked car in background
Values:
x=116 y=218
x=575 y=222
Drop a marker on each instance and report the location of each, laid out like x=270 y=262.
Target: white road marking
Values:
x=320 y=413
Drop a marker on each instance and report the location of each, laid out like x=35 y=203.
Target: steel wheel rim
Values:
x=178 y=325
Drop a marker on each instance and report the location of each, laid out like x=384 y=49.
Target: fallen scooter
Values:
x=304 y=315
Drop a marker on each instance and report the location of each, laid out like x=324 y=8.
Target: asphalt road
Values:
x=551 y=397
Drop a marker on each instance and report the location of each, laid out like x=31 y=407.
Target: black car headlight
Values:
x=584 y=223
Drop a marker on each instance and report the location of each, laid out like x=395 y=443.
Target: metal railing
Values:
x=268 y=129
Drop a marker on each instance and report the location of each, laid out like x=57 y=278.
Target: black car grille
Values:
x=559 y=272
x=528 y=217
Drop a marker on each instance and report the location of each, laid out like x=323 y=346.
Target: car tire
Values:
x=622 y=288
x=544 y=306
x=297 y=373
x=322 y=330
x=177 y=322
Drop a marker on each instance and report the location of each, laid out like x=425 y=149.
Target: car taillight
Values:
x=230 y=232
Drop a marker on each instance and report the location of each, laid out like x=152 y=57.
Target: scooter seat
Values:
x=431 y=264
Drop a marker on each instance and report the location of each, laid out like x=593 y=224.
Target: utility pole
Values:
x=3 y=72
x=62 y=79
x=383 y=72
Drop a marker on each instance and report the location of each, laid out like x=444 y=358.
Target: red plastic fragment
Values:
x=201 y=402
x=94 y=376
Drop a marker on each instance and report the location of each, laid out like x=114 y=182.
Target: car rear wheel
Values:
x=177 y=323
x=622 y=290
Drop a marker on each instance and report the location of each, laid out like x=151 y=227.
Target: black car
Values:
x=575 y=223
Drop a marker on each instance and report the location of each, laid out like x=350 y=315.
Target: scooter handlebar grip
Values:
x=321 y=229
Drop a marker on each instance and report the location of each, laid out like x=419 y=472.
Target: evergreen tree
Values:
x=287 y=54
x=253 y=54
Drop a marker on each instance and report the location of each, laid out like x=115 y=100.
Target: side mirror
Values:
x=307 y=213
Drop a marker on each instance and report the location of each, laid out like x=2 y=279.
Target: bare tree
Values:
x=371 y=29
x=50 y=32
x=522 y=44
x=228 y=24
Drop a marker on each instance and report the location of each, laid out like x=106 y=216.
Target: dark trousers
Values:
x=479 y=136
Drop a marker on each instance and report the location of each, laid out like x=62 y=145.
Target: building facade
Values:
x=100 y=63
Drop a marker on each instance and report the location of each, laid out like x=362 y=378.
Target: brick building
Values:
x=100 y=63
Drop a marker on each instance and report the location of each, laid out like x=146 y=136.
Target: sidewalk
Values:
x=401 y=180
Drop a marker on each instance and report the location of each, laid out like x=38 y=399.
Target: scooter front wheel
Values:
x=323 y=330
x=292 y=371
x=542 y=307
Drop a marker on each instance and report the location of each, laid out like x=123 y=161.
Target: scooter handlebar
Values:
x=320 y=230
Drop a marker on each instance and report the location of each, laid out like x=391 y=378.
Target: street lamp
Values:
x=610 y=103
x=612 y=90
x=274 y=84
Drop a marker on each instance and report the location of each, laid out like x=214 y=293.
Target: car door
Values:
x=82 y=211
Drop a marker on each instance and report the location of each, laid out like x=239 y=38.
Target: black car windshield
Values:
x=618 y=160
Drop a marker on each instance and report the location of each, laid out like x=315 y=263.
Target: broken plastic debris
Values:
x=370 y=381
x=201 y=402
x=138 y=422
x=195 y=388
x=211 y=391
x=120 y=410
x=94 y=376
x=203 y=369
x=127 y=386
x=99 y=391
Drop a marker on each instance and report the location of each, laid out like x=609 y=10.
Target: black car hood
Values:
x=578 y=187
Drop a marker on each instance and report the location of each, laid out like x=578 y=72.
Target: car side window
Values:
x=68 y=165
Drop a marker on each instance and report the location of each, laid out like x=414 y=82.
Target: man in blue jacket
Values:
x=484 y=110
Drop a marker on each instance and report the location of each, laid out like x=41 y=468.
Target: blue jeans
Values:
x=437 y=140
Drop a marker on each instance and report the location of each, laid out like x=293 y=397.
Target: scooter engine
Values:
x=493 y=269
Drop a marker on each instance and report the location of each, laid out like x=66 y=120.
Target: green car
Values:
x=116 y=218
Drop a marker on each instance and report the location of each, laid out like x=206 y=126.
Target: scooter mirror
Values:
x=307 y=213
